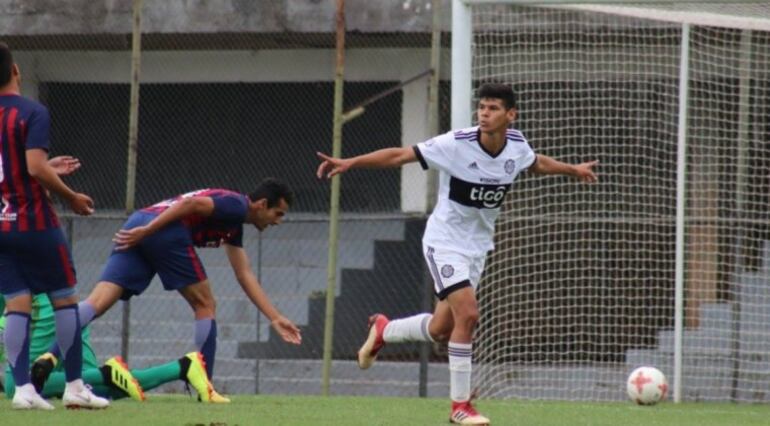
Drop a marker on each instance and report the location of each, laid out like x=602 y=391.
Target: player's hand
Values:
x=331 y=166
x=127 y=238
x=585 y=173
x=287 y=330
x=82 y=204
x=64 y=165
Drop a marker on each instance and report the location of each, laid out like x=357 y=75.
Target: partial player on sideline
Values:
x=34 y=256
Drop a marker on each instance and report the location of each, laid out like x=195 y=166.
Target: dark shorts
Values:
x=36 y=262
x=168 y=253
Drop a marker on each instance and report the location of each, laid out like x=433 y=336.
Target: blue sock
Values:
x=206 y=342
x=70 y=340
x=17 y=345
x=86 y=313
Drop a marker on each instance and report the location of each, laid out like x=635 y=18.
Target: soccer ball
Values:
x=647 y=386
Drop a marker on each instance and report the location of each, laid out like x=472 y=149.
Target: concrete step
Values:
x=704 y=342
x=305 y=252
x=349 y=229
x=180 y=330
x=160 y=347
x=716 y=316
x=172 y=307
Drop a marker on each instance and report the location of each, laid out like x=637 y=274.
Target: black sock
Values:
x=106 y=371
x=184 y=364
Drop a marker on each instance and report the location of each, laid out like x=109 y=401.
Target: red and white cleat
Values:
x=463 y=413
x=374 y=341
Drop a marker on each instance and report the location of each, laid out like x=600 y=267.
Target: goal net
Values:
x=582 y=287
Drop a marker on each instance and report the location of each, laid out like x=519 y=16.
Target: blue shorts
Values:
x=168 y=253
x=36 y=262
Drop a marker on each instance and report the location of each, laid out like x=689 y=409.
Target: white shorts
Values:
x=449 y=268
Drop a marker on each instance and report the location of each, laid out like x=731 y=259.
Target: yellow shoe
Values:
x=197 y=377
x=219 y=399
x=122 y=378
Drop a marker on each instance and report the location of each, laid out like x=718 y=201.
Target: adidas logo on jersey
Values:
x=473 y=166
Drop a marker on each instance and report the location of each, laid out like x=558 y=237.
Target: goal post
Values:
x=462 y=64
x=666 y=261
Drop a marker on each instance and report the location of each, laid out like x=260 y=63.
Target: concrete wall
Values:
x=98 y=19
x=38 y=17
x=299 y=65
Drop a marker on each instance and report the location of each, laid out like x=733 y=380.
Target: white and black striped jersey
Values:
x=472 y=185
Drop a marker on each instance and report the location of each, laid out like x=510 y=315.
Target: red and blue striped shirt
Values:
x=225 y=225
x=24 y=203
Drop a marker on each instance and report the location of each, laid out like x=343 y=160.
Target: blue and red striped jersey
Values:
x=24 y=203
x=225 y=225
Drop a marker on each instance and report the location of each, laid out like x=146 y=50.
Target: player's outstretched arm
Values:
x=289 y=332
x=381 y=159
x=38 y=168
x=203 y=206
x=545 y=165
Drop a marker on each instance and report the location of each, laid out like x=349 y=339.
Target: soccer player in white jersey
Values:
x=477 y=167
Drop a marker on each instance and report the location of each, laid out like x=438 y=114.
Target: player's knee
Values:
x=467 y=317
x=103 y=296
x=440 y=331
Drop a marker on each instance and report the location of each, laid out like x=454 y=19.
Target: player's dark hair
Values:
x=273 y=190
x=6 y=64
x=498 y=91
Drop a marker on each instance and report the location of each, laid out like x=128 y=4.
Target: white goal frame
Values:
x=462 y=108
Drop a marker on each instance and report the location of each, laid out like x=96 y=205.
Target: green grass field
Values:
x=341 y=411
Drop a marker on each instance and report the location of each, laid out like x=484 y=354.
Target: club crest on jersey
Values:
x=447 y=271
x=510 y=166
x=5 y=214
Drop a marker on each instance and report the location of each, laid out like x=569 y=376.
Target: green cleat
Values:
x=197 y=378
x=121 y=378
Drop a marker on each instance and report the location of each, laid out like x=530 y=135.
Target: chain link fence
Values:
x=227 y=109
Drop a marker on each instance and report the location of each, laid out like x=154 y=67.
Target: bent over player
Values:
x=477 y=167
x=160 y=239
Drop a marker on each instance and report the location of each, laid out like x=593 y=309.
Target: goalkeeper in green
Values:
x=113 y=379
